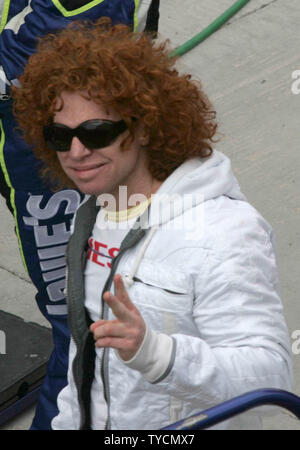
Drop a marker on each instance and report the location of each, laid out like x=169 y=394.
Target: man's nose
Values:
x=78 y=149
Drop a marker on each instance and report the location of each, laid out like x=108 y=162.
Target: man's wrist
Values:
x=153 y=357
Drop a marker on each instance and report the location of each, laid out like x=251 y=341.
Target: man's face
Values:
x=102 y=170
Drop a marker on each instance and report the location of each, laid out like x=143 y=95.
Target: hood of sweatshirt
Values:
x=195 y=181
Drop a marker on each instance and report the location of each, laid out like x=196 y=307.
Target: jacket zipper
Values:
x=76 y=340
x=105 y=356
x=107 y=286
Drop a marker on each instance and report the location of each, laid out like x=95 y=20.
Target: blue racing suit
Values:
x=42 y=217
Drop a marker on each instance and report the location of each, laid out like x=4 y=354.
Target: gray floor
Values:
x=246 y=68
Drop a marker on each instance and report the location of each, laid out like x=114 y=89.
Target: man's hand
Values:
x=127 y=332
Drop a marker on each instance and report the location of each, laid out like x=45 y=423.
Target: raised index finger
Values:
x=120 y=310
x=121 y=292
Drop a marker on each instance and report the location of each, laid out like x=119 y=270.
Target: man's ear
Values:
x=142 y=136
x=144 y=140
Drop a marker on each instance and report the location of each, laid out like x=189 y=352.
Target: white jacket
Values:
x=213 y=288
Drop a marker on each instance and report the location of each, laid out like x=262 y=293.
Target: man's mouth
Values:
x=88 y=171
x=87 y=168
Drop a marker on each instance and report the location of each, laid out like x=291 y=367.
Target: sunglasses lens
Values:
x=95 y=136
x=58 y=137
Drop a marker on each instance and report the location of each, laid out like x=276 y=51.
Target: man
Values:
x=172 y=285
x=43 y=217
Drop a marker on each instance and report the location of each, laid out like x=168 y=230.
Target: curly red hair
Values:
x=127 y=72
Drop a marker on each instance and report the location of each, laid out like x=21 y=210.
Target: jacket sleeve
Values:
x=148 y=15
x=35 y=18
x=243 y=341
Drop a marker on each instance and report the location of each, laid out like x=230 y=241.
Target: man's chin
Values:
x=86 y=188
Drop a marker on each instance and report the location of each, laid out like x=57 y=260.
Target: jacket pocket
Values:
x=164 y=297
x=138 y=280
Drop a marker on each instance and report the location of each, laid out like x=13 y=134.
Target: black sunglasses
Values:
x=92 y=134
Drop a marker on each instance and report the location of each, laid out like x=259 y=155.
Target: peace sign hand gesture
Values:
x=127 y=331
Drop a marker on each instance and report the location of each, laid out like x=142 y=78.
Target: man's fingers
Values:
x=127 y=332
x=127 y=345
x=117 y=306
x=121 y=292
x=113 y=328
x=96 y=324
